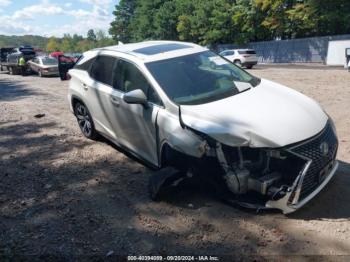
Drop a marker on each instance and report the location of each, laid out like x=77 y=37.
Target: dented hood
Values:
x=269 y=115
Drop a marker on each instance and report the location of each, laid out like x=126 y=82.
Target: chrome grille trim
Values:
x=309 y=179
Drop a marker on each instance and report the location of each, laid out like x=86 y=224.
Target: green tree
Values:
x=228 y=21
x=91 y=36
x=52 y=45
x=123 y=13
x=103 y=40
x=67 y=43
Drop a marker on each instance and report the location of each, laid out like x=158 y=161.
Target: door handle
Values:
x=85 y=86
x=115 y=101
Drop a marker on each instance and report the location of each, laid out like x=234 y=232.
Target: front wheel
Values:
x=249 y=66
x=85 y=122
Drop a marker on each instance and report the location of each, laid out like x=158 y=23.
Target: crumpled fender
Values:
x=179 y=138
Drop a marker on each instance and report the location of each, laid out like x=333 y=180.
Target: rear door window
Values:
x=102 y=69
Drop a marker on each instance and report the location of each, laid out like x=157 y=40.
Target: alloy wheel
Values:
x=84 y=120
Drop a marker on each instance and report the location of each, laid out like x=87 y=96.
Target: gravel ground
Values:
x=61 y=194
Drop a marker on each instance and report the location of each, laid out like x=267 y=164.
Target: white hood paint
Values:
x=269 y=115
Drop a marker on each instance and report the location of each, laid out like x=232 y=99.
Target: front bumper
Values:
x=320 y=166
x=284 y=203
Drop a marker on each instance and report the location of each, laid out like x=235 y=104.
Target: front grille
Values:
x=313 y=151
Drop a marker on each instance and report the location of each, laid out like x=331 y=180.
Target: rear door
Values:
x=99 y=90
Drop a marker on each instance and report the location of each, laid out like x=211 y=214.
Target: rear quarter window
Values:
x=102 y=69
x=247 y=52
x=84 y=66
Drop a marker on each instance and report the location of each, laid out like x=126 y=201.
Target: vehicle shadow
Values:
x=11 y=90
x=60 y=196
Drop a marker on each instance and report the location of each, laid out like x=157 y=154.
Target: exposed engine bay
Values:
x=259 y=178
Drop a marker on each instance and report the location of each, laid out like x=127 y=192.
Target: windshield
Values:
x=200 y=78
x=49 y=61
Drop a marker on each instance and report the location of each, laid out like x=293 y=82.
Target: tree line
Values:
x=67 y=43
x=15 y=41
x=210 y=22
x=77 y=43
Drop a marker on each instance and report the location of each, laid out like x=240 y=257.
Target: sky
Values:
x=55 y=17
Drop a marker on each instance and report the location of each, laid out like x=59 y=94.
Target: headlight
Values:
x=331 y=122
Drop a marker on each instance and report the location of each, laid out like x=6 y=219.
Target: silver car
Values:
x=241 y=57
x=258 y=143
x=44 y=66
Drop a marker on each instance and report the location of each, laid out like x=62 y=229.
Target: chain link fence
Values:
x=303 y=50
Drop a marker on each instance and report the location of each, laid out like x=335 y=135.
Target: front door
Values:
x=136 y=123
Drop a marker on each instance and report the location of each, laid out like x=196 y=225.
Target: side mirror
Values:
x=136 y=97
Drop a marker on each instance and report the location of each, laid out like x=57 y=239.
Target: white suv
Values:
x=259 y=143
x=241 y=57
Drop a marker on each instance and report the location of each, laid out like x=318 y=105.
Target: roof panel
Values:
x=162 y=48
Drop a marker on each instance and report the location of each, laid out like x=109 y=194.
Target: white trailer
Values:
x=336 y=52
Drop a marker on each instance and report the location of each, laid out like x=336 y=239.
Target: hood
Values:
x=269 y=115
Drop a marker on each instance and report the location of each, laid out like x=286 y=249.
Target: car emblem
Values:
x=324 y=147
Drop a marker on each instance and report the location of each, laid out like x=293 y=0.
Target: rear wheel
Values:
x=249 y=66
x=238 y=63
x=85 y=122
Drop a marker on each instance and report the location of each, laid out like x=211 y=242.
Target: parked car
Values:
x=44 y=66
x=10 y=58
x=241 y=57
x=260 y=144
x=4 y=52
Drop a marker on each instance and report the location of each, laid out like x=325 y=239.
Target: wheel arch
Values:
x=169 y=156
x=74 y=100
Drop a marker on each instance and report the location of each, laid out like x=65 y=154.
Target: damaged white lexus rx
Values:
x=179 y=106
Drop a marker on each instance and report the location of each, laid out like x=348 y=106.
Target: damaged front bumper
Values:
x=312 y=161
x=290 y=202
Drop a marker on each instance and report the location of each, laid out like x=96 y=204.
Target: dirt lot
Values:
x=61 y=194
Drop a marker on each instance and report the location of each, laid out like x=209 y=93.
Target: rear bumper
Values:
x=249 y=63
x=53 y=73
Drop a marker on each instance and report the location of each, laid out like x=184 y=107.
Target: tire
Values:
x=249 y=66
x=85 y=121
x=238 y=63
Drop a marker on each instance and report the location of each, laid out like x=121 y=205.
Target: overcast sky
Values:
x=54 y=17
